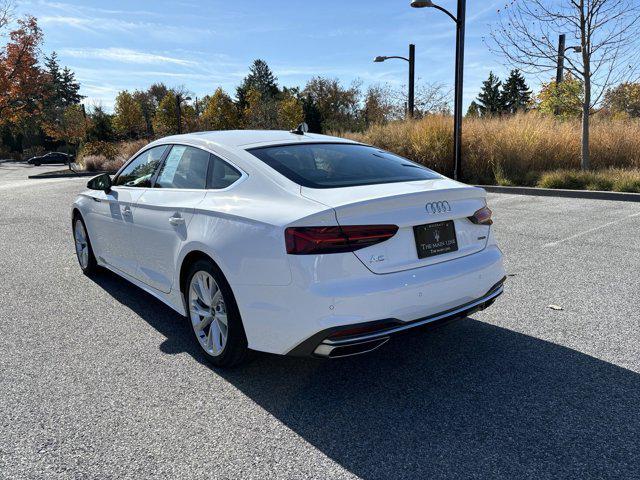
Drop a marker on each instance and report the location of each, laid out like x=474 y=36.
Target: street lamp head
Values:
x=422 y=3
x=577 y=49
x=379 y=59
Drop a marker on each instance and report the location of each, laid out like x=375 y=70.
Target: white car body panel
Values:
x=160 y=223
x=403 y=204
x=285 y=299
x=109 y=221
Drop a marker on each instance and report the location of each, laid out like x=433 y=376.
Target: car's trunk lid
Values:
x=408 y=204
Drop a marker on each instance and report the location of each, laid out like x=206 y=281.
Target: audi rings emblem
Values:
x=438 y=207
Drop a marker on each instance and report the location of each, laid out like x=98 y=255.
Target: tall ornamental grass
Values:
x=509 y=150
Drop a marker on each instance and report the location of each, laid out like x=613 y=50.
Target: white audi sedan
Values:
x=289 y=242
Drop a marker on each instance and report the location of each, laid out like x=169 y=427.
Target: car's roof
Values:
x=244 y=139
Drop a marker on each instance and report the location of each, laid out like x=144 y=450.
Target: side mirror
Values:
x=101 y=182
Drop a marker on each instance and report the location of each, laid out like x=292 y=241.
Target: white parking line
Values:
x=591 y=230
x=491 y=200
x=37 y=182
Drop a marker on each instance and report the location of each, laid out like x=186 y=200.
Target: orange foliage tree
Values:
x=22 y=82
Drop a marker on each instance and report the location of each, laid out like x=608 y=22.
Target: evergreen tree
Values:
x=490 y=99
x=260 y=79
x=312 y=116
x=52 y=68
x=516 y=96
x=70 y=88
x=62 y=86
x=100 y=128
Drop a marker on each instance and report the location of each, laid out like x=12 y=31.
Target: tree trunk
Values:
x=585 y=158
x=585 y=42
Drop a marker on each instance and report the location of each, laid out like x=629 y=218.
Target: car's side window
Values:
x=185 y=167
x=140 y=170
x=221 y=174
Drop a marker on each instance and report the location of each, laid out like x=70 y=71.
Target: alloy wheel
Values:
x=208 y=313
x=82 y=245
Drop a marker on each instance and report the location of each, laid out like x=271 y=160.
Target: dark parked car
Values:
x=51 y=157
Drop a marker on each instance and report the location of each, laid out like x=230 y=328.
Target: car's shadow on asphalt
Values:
x=469 y=400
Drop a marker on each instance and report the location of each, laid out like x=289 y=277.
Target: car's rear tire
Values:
x=84 y=251
x=214 y=316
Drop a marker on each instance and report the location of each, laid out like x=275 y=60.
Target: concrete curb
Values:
x=65 y=175
x=553 y=192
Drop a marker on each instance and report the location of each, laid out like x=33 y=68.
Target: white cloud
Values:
x=124 y=55
x=87 y=23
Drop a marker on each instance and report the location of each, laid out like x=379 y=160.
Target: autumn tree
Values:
x=71 y=128
x=148 y=106
x=379 y=106
x=606 y=32
x=220 y=112
x=337 y=106
x=22 y=83
x=290 y=112
x=474 y=110
x=128 y=119
x=259 y=112
x=623 y=101
x=563 y=99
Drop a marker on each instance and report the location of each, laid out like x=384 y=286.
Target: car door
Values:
x=113 y=214
x=163 y=214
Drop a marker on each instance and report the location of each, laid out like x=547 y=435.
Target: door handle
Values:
x=175 y=221
x=126 y=210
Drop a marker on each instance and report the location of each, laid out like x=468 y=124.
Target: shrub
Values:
x=107 y=150
x=611 y=179
x=95 y=163
x=104 y=156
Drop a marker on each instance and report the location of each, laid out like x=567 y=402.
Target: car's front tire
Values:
x=214 y=315
x=84 y=251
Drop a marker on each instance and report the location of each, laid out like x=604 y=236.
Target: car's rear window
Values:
x=334 y=165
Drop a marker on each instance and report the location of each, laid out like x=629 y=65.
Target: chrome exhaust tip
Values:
x=347 y=350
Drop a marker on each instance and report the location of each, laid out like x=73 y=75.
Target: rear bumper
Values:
x=332 y=292
x=330 y=344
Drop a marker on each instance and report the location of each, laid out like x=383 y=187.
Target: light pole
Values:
x=562 y=50
x=412 y=73
x=459 y=19
x=561 y=54
x=179 y=100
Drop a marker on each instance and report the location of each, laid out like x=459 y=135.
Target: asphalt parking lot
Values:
x=100 y=380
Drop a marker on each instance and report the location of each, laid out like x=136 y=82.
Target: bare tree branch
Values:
x=6 y=12
x=607 y=32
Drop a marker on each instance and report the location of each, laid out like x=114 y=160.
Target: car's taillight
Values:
x=319 y=240
x=482 y=217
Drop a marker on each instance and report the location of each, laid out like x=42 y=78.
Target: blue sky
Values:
x=205 y=44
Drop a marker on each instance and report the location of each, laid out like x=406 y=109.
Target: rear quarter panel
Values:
x=242 y=230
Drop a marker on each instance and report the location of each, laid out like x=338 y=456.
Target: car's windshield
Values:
x=333 y=165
